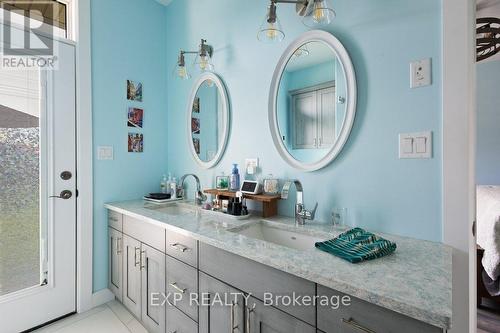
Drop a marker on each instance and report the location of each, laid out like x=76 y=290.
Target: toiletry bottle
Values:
x=163 y=185
x=234 y=179
x=169 y=184
x=173 y=188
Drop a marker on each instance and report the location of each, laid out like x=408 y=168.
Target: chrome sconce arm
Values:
x=203 y=60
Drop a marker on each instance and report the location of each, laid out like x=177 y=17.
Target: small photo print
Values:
x=196 y=105
x=196 y=144
x=195 y=125
x=134 y=91
x=135 y=143
x=135 y=117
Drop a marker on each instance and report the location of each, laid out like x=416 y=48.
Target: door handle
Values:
x=65 y=195
x=233 y=326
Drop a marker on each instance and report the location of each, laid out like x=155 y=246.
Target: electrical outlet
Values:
x=251 y=165
x=420 y=73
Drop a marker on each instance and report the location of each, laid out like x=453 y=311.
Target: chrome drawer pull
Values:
x=118 y=246
x=357 y=326
x=143 y=262
x=233 y=326
x=174 y=285
x=179 y=247
x=249 y=312
x=136 y=263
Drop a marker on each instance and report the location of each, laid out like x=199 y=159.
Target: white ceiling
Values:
x=164 y=2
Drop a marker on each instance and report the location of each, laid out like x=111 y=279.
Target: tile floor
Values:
x=108 y=318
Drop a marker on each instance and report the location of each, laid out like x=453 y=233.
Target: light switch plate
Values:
x=415 y=145
x=420 y=73
x=105 y=153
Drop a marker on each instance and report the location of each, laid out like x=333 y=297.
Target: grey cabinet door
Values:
x=115 y=262
x=153 y=289
x=221 y=307
x=326 y=117
x=132 y=275
x=266 y=319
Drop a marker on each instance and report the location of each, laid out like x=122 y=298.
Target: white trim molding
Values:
x=351 y=98
x=84 y=156
x=102 y=297
x=459 y=127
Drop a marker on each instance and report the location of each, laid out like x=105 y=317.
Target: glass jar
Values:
x=271 y=185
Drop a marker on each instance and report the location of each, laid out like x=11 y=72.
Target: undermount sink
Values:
x=173 y=209
x=266 y=232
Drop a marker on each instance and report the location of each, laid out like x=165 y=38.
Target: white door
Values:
x=37 y=231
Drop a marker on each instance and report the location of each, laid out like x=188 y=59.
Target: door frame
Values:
x=458 y=171
x=85 y=297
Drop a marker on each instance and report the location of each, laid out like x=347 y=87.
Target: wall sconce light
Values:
x=202 y=62
x=315 y=13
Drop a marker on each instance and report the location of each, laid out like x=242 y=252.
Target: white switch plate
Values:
x=251 y=165
x=415 y=145
x=105 y=153
x=420 y=73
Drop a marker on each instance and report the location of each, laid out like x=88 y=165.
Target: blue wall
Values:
x=380 y=191
x=488 y=124
x=128 y=42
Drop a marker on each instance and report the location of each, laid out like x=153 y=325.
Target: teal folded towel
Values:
x=357 y=245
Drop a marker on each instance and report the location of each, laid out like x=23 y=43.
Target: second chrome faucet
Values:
x=301 y=213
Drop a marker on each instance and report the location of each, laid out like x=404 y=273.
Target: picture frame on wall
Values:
x=135 y=117
x=134 y=91
x=195 y=126
x=196 y=144
x=196 y=105
x=135 y=142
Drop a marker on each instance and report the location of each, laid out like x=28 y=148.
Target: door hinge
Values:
x=76 y=193
x=474 y=226
x=45 y=278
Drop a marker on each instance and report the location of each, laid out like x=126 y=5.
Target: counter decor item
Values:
x=271 y=185
x=234 y=179
x=251 y=187
x=357 y=245
x=269 y=202
x=222 y=182
x=339 y=218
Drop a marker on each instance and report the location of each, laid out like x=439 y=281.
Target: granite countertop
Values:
x=414 y=281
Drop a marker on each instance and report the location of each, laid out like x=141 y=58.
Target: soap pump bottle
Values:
x=169 y=183
x=163 y=185
x=234 y=179
x=173 y=188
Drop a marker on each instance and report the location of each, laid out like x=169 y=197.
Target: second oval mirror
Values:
x=312 y=101
x=208 y=120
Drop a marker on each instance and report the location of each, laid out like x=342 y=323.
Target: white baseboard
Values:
x=102 y=297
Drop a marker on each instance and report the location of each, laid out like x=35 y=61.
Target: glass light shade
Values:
x=270 y=31
x=181 y=72
x=203 y=62
x=302 y=51
x=320 y=14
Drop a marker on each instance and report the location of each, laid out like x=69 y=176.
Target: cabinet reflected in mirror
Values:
x=208 y=120
x=309 y=104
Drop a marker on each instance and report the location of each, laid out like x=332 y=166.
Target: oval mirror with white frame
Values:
x=312 y=102
x=208 y=120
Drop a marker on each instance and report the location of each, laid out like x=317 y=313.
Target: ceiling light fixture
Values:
x=315 y=13
x=202 y=62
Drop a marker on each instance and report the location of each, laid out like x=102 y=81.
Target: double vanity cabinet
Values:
x=222 y=292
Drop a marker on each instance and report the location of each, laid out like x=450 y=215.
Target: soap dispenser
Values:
x=234 y=179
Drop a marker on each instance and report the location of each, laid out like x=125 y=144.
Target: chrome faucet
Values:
x=301 y=213
x=199 y=197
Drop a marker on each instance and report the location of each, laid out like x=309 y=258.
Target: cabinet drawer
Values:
x=361 y=316
x=182 y=280
x=259 y=280
x=182 y=247
x=264 y=319
x=115 y=220
x=178 y=322
x=145 y=232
